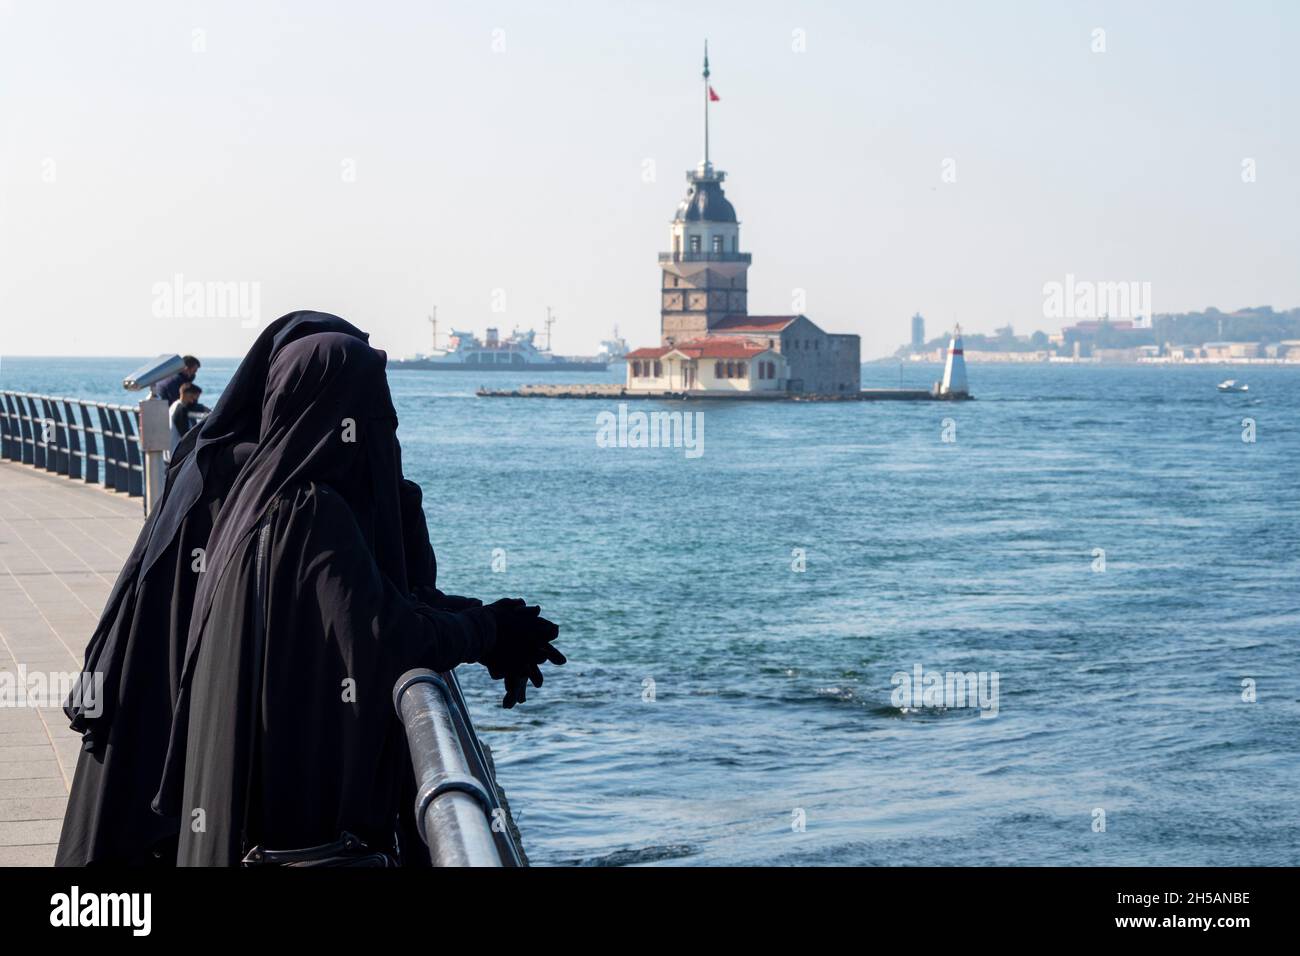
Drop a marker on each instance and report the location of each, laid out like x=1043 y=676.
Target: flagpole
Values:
x=706 y=104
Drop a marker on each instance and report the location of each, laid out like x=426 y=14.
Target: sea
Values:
x=1109 y=552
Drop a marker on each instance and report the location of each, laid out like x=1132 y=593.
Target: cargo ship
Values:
x=615 y=349
x=467 y=353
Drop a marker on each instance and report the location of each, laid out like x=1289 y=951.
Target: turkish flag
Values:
x=713 y=97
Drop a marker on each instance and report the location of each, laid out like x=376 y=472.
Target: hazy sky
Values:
x=373 y=159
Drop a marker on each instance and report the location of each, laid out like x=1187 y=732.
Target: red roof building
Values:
x=752 y=323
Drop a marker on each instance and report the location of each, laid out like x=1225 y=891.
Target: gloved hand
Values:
x=523 y=643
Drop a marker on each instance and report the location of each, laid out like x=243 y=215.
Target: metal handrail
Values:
x=96 y=442
x=459 y=812
x=704 y=255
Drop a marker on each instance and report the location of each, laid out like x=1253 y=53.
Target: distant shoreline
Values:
x=971 y=359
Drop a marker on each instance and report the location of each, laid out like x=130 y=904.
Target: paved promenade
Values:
x=61 y=545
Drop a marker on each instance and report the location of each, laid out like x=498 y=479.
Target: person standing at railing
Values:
x=284 y=737
x=263 y=700
x=180 y=412
x=169 y=389
x=124 y=704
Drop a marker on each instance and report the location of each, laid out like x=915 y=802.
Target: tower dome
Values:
x=704 y=200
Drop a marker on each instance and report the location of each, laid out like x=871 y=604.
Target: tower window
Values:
x=674 y=282
x=695 y=243
x=734 y=240
x=717 y=243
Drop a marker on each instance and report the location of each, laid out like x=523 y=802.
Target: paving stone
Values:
x=40 y=854
x=29 y=832
x=62 y=543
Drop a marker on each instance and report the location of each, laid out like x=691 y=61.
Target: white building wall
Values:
x=672 y=377
x=681 y=232
x=648 y=383
x=750 y=383
x=777 y=382
x=714 y=384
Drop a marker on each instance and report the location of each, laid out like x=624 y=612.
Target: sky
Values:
x=493 y=159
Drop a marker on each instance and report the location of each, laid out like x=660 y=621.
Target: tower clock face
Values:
x=737 y=300
x=697 y=302
x=673 y=300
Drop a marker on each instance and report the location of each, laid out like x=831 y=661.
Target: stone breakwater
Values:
x=607 y=391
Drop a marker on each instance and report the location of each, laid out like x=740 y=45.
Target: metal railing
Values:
x=704 y=255
x=94 y=442
x=460 y=814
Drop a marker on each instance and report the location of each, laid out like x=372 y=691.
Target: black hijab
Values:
x=326 y=416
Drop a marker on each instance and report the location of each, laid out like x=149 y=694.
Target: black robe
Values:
x=294 y=746
x=283 y=734
x=108 y=818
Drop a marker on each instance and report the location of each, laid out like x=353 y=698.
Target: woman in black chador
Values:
x=249 y=649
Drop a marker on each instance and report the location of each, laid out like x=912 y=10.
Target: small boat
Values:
x=1230 y=385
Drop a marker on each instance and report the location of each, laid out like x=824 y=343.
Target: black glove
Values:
x=523 y=643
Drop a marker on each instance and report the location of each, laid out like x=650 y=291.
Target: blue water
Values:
x=1119 y=690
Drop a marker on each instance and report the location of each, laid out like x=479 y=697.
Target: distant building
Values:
x=709 y=343
x=1230 y=350
x=918 y=332
x=1117 y=355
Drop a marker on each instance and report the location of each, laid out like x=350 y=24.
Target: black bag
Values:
x=347 y=850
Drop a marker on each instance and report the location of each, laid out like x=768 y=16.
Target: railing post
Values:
x=155 y=442
x=93 y=456
x=55 y=419
x=6 y=437
x=75 y=464
x=37 y=430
